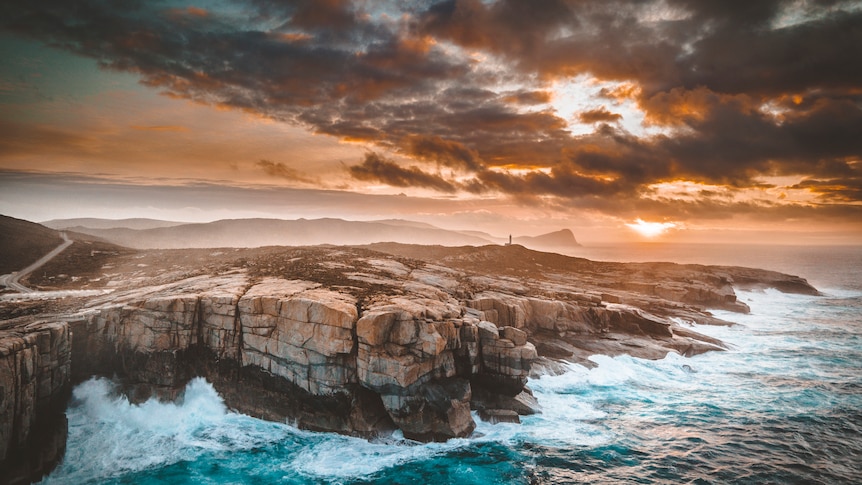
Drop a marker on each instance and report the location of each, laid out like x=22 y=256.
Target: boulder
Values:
x=516 y=336
x=524 y=403
x=374 y=327
x=496 y=416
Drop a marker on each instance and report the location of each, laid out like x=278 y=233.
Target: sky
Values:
x=622 y=120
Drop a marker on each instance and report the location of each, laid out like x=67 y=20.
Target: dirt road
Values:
x=12 y=280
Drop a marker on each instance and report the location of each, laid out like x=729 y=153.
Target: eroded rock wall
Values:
x=405 y=362
x=34 y=386
x=416 y=359
x=301 y=333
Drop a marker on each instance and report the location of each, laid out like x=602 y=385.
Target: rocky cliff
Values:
x=35 y=365
x=402 y=362
x=341 y=339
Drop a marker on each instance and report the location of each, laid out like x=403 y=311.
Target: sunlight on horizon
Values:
x=650 y=229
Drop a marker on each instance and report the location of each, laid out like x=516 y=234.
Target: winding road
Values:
x=12 y=280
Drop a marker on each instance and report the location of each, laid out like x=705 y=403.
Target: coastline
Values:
x=513 y=317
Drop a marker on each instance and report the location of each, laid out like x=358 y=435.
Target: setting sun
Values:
x=650 y=229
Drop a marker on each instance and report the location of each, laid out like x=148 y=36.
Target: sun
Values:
x=650 y=229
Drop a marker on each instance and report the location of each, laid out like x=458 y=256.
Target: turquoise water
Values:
x=784 y=405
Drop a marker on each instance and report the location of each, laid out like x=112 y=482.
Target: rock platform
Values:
x=360 y=341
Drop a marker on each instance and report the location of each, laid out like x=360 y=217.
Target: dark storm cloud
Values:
x=562 y=181
x=449 y=153
x=378 y=169
x=529 y=97
x=709 y=68
x=740 y=57
x=727 y=46
x=745 y=89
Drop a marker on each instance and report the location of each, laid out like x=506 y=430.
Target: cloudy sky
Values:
x=704 y=120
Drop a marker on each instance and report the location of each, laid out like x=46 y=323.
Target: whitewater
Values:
x=782 y=405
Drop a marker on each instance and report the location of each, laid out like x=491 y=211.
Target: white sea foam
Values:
x=108 y=436
x=333 y=456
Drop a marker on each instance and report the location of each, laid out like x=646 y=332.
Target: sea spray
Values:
x=109 y=437
x=197 y=440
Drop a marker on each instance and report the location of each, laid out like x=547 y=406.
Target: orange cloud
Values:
x=529 y=97
x=622 y=92
x=294 y=36
x=181 y=15
x=197 y=12
x=175 y=128
x=681 y=106
x=599 y=115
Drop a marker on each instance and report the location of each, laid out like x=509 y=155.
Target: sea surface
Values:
x=783 y=405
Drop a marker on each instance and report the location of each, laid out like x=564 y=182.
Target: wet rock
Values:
x=544 y=366
x=438 y=411
x=496 y=416
x=555 y=349
x=524 y=403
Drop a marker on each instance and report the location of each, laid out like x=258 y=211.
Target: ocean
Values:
x=783 y=405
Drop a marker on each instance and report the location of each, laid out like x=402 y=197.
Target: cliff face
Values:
x=408 y=362
x=34 y=386
x=405 y=362
x=334 y=339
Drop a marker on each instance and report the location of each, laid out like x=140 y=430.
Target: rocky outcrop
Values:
x=302 y=333
x=423 y=358
x=398 y=362
x=34 y=386
x=349 y=340
x=580 y=325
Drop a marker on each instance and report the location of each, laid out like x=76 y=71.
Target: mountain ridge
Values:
x=258 y=232
x=98 y=223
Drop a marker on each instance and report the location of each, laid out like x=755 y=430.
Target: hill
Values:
x=23 y=242
x=558 y=239
x=247 y=233
x=94 y=223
